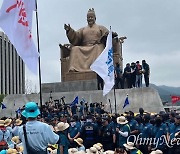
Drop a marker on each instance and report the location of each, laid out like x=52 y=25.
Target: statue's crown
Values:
x=91 y=11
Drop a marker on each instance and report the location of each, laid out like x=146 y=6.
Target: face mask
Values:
x=158 y=122
x=127 y=149
x=73 y=124
x=89 y=120
x=82 y=123
x=128 y=118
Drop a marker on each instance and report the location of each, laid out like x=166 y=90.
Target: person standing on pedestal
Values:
x=127 y=75
x=118 y=77
x=138 y=75
x=146 y=72
x=100 y=83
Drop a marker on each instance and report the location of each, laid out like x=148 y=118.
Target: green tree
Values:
x=2 y=97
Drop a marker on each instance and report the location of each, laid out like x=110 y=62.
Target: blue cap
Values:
x=3 y=152
x=31 y=110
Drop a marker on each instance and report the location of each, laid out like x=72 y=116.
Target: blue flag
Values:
x=75 y=101
x=18 y=111
x=83 y=100
x=3 y=106
x=126 y=102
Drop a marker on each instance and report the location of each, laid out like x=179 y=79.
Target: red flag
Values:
x=175 y=99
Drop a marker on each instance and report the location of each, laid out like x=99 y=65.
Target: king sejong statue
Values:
x=87 y=43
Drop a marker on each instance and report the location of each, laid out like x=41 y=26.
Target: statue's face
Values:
x=91 y=19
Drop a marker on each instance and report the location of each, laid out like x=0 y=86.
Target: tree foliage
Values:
x=2 y=97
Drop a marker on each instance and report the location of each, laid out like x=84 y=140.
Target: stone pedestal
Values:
x=76 y=76
x=69 y=86
x=147 y=98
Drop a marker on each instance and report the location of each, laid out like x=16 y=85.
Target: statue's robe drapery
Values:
x=87 y=46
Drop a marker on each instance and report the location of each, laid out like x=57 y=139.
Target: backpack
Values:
x=3 y=143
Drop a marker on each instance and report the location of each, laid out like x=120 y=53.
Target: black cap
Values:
x=105 y=118
x=162 y=113
x=177 y=117
x=89 y=117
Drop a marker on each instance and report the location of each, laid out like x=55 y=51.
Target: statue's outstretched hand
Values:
x=67 y=27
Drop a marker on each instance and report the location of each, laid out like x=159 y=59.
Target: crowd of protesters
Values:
x=89 y=129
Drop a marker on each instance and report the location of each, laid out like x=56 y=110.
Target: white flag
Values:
x=16 y=22
x=104 y=67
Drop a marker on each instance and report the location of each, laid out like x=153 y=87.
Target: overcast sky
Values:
x=152 y=28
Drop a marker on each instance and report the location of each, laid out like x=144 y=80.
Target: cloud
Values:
x=151 y=27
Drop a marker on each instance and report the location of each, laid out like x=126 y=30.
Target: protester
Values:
x=146 y=132
x=15 y=130
x=146 y=72
x=107 y=135
x=138 y=75
x=119 y=81
x=127 y=75
x=133 y=124
x=100 y=83
x=131 y=149
x=89 y=132
x=73 y=132
x=123 y=131
x=97 y=127
x=7 y=124
x=159 y=130
x=39 y=134
x=80 y=145
x=4 y=135
x=133 y=75
x=63 y=143
x=175 y=133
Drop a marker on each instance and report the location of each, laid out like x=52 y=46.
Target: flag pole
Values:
x=114 y=89
x=115 y=99
x=172 y=108
x=110 y=105
x=38 y=44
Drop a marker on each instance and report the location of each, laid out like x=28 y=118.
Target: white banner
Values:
x=16 y=22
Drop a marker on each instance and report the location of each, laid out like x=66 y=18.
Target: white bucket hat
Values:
x=97 y=147
x=1 y=122
x=157 y=152
x=109 y=152
x=92 y=150
x=72 y=150
x=7 y=122
x=80 y=152
x=129 y=145
x=61 y=126
x=18 y=122
x=79 y=141
x=122 y=120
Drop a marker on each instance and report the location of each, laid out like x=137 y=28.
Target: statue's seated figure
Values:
x=86 y=44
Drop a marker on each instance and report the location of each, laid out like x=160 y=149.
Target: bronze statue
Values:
x=87 y=43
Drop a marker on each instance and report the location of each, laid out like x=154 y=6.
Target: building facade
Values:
x=12 y=68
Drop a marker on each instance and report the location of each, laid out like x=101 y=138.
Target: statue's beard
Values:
x=91 y=23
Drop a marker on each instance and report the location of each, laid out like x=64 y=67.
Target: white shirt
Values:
x=6 y=135
x=15 y=130
x=39 y=135
x=10 y=130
